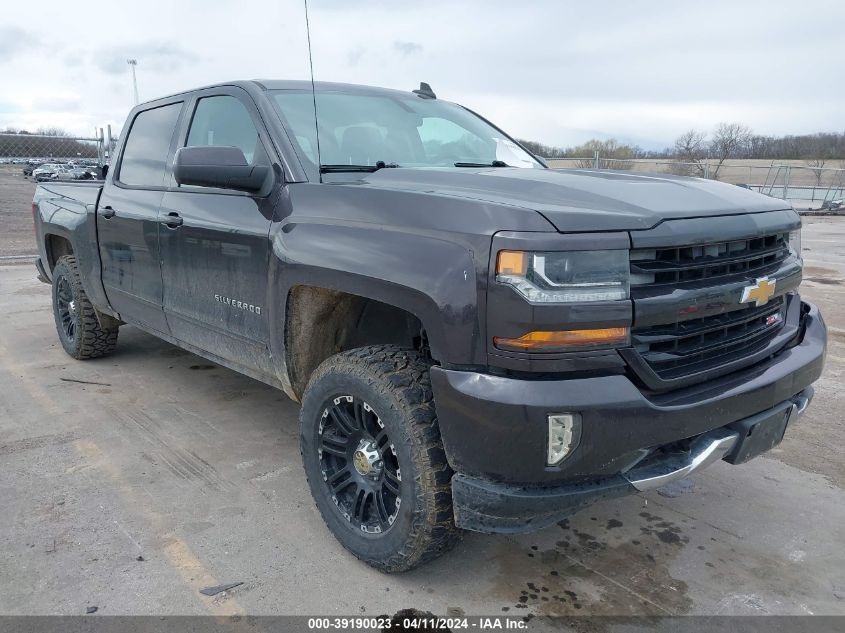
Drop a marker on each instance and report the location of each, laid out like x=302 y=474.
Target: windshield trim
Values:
x=539 y=159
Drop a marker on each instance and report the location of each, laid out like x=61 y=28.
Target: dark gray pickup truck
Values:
x=477 y=341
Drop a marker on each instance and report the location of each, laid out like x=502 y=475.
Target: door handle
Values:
x=172 y=220
x=107 y=212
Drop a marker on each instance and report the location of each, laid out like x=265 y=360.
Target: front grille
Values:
x=688 y=347
x=688 y=264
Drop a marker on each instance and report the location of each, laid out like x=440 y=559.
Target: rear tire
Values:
x=374 y=459
x=81 y=334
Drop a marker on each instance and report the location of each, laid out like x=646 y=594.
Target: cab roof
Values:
x=290 y=84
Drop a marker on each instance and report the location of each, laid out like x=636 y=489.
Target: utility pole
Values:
x=132 y=63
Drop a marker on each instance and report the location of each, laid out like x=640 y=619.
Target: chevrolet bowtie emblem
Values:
x=760 y=292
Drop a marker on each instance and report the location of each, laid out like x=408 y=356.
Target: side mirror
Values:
x=219 y=166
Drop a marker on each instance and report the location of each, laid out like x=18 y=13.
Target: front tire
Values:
x=80 y=332
x=374 y=459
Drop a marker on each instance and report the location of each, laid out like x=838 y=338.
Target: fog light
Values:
x=564 y=435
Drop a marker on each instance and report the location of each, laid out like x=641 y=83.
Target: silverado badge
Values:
x=760 y=292
x=240 y=305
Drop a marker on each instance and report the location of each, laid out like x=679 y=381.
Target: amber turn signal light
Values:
x=563 y=339
x=512 y=263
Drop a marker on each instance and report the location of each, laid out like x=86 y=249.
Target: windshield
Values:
x=407 y=131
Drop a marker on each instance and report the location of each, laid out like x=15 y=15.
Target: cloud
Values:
x=58 y=103
x=156 y=56
x=556 y=72
x=407 y=48
x=13 y=40
x=354 y=56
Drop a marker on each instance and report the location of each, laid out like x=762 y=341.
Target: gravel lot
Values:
x=131 y=482
x=15 y=212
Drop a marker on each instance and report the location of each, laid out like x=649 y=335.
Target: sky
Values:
x=556 y=71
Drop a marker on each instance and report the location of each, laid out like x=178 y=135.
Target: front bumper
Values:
x=494 y=430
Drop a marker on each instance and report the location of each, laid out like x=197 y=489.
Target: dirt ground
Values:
x=16 y=235
x=131 y=482
x=745 y=171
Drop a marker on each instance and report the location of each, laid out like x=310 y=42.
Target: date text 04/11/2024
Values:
x=421 y=622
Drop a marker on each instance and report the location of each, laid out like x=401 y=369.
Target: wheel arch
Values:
x=56 y=246
x=427 y=278
x=323 y=321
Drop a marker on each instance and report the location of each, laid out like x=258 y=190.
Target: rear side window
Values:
x=224 y=120
x=145 y=155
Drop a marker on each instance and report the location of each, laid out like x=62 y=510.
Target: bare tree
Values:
x=729 y=140
x=51 y=131
x=539 y=149
x=816 y=166
x=690 y=151
x=612 y=154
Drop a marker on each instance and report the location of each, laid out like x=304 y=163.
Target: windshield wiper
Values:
x=329 y=169
x=495 y=163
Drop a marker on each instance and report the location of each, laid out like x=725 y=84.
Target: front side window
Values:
x=362 y=129
x=145 y=155
x=225 y=121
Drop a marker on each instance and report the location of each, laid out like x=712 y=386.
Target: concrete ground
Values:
x=129 y=483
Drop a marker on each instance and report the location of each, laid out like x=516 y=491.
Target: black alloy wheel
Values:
x=66 y=308
x=359 y=464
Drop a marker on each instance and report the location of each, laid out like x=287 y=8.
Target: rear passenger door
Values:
x=127 y=222
x=215 y=260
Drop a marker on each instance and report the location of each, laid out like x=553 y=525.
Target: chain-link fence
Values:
x=37 y=149
x=804 y=186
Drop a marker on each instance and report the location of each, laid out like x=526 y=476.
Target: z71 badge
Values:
x=241 y=305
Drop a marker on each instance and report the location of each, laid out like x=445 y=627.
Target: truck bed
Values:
x=69 y=194
x=65 y=215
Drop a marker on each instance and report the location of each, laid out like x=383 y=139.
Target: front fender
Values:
x=434 y=279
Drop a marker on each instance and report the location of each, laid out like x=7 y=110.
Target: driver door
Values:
x=215 y=253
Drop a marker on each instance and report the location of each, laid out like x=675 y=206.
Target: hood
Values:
x=583 y=200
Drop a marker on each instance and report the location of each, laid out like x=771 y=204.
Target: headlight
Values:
x=566 y=277
x=795 y=243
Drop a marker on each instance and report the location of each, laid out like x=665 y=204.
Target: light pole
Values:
x=132 y=63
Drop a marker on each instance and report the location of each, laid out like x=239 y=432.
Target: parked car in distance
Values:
x=30 y=167
x=48 y=171
x=478 y=342
x=83 y=162
x=44 y=171
x=77 y=173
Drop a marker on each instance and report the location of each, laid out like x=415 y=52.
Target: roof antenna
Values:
x=313 y=94
x=425 y=91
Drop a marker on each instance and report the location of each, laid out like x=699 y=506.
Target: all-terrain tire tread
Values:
x=94 y=339
x=405 y=373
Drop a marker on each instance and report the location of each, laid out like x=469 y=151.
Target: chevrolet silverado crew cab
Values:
x=477 y=341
